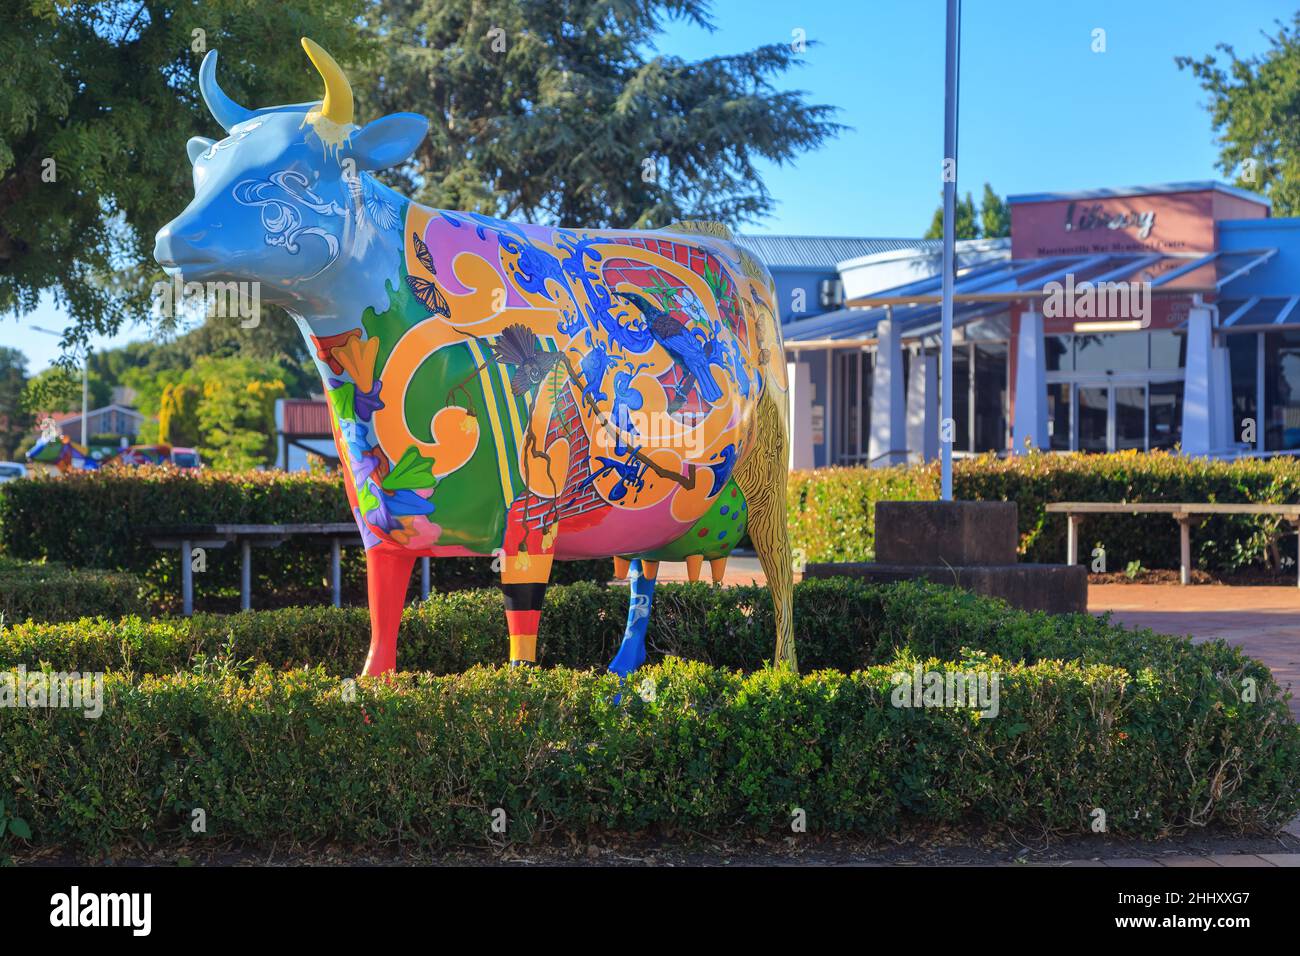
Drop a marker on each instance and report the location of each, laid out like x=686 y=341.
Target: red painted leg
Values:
x=388 y=576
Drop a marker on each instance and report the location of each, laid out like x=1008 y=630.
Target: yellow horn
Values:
x=337 y=105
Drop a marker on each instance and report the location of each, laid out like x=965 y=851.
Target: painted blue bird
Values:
x=691 y=356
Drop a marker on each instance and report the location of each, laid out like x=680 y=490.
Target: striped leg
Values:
x=524 y=576
x=631 y=653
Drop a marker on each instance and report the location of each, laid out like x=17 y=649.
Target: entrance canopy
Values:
x=986 y=289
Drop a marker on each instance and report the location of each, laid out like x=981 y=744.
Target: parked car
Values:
x=158 y=455
x=12 y=470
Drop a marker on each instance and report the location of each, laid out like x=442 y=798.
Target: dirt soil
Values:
x=931 y=847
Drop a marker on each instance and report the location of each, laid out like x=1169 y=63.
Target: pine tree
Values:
x=553 y=111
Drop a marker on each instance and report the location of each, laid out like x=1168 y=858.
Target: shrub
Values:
x=95 y=520
x=832 y=510
x=40 y=591
x=298 y=757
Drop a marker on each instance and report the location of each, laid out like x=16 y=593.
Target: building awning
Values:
x=990 y=288
x=1258 y=313
x=1017 y=280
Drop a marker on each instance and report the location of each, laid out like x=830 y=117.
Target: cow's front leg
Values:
x=388 y=575
x=631 y=653
x=525 y=572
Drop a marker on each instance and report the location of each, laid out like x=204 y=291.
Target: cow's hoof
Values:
x=630 y=656
x=523 y=664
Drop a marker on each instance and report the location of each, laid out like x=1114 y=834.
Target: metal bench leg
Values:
x=245 y=575
x=1184 y=551
x=336 y=584
x=1072 y=538
x=424 y=579
x=187 y=579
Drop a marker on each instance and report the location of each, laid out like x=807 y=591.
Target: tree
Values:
x=237 y=412
x=966 y=226
x=552 y=111
x=995 y=217
x=97 y=100
x=15 y=419
x=178 y=418
x=1254 y=105
x=992 y=222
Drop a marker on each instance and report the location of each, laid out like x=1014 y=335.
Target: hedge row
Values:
x=840 y=623
x=297 y=757
x=96 y=520
x=831 y=509
x=52 y=592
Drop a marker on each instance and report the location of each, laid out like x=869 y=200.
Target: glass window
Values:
x=1060 y=354
x=1242 y=356
x=1110 y=352
x=1282 y=391
x=990 y=396
x=1168 y=349
x=1166 y=414
x=960 y=397
x=1058 y=416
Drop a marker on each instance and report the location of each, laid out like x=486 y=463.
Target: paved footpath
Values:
x=1263 y=621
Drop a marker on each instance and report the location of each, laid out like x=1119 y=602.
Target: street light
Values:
x=85 y=386
x=952 y=49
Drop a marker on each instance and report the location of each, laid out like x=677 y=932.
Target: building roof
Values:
x=1196 y=186
x=304 y=417
x=64 y=417
x=823 y=252
x=988 y=288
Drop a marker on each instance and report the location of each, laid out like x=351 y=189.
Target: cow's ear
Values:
x=197 y=146
x=388 y=140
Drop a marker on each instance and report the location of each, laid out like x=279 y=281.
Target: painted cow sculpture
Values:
x=521 y=391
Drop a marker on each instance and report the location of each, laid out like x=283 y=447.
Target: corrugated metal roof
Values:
x=823 y=252
x=307 y=417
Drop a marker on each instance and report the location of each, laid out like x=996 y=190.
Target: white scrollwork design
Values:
x=281 y=198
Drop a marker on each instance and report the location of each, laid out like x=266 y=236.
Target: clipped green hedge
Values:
x=1152 y=729
x=298 y=757
x=832 y=510
x=1221 y=544
x=840 y=623
x=95 y=520
x=40 y=591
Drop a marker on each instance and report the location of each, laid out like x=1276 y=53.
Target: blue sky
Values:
x=1040 y=111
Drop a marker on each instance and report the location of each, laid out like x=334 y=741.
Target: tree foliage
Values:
x=559 y=111
x=97 y=100
x=1255 y=108
x=991 y=221
x=15 y=418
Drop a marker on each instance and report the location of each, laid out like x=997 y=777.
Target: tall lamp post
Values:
x=950 y=77
x=85 y=387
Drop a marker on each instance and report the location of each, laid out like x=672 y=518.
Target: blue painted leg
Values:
x=631 y=653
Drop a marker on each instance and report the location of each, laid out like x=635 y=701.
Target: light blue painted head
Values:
x=285 y=200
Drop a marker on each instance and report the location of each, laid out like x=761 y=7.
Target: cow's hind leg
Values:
x=762 y=479
x=631 y=653
x=388 y=575
x=524 y=577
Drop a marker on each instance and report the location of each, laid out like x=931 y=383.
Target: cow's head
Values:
x=284 y=198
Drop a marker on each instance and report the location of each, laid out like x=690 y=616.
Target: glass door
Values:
x=1129 y=417
x=1110 y=417
x=1092 y=415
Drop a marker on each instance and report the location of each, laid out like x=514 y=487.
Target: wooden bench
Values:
x=1185 y=513
x=185 y=538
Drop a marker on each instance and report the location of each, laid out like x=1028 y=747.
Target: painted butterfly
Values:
x=423 y=289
